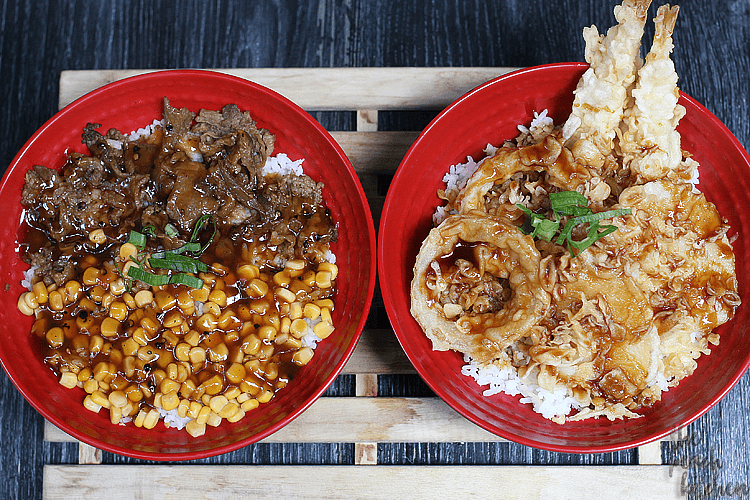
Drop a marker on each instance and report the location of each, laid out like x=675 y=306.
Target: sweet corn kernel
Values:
x=115 y=414
x=143 y=297
x=295 y=311
x=170 y=401
x=195 y=429
x=110 y=327
x=213 y=419
x=90 y=276
x=152 y=418
x=200 y=294
x=164 y=300
x=118 y=398
x=99 y=398
x=298 y=328
x=235 y=373
x=265 y=396
x=183 y=408
x=96 y=344
x=89 y=404
x=323 y=279
x=238 y=415
x=250 y=404
x=203 y=415
x=267 y=332
x=68 y=379
x=192 y=337
x=228 y=410
x=128 y=250
x=218 y=353
x=285 y=294
x=311 y=311
x=55 y=337
x=282 y=279
x=197 y=355
x=248 y=272
x=333 y=269
x=323 y=329
x=56 y=301
x=218 y=402
x=117 y=287
x=173 y=319
x=138 y=421
x=257 y=288
x=303 y=356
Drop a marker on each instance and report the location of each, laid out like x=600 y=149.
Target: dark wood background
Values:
x=40 y=39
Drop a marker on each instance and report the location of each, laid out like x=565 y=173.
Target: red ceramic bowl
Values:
x=490 y=113
x=128 y=105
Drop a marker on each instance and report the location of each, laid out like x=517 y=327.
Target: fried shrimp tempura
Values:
x=602 y=92
x=649 y=142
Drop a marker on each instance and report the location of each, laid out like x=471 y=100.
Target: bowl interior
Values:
x=489 y=114
x=131 y=104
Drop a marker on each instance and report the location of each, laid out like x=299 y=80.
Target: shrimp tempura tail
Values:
x=650 y=143
x=602 y=92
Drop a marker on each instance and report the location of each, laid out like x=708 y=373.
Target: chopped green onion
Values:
x=150 y=279
x=175 y=262
x=150 y=230
x=570 y=203
x=170 y=230
x=185 y=279
x=137 y=239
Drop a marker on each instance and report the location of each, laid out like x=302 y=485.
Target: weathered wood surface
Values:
x=40 y=40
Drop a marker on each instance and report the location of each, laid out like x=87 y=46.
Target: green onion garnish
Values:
x=175 y=262
x=185 y=279
x=574 y=204
x=137 y=239
x=151 y=279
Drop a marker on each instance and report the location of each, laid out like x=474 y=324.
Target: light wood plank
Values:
x=650 y=454
x=70 y=482
x=361 y=420
x=342 y=88
x=375 y=152
x=88 y=455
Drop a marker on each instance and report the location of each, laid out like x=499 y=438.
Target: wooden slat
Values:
x=365 y=419
x=342 y=88
x=71 y=482
x=375 y=152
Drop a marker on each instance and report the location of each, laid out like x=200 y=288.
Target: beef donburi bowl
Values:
x=189 y=261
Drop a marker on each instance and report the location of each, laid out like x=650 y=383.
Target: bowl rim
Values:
x=217 y=78
x=389 y=300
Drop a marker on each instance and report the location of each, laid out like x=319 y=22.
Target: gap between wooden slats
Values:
x=71 y=482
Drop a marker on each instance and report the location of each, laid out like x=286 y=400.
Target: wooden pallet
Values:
x=365 y=419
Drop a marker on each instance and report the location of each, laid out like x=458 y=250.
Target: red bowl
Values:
x=490 y=113
x=131 y=104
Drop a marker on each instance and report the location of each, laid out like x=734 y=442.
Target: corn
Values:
x=265 y=396
x=200 y=294
x=308 y=278
x=30 y=299
x=213 y=385
x=147 y=354
x=323 y=279
x=128 y=250
x=228 y=320
x=110 y=327
x=96 y=343
x=187 y=388
x=295 y=267
x=129 y=300
x=333 y=269
x=195 y=429
x=173 y=319
x=324 y=303
x=282 y=279
x=143 y=298
x=90 y=385
x=251 y=344
x=25 y=309
x=68 y=379
x=257 y=288
x=271 y=370
x=203 y=415
x=118 y=399
x=248 y=272
x=149 y=324
x=89 y=404
x=323 y=329
x=72 y=291
x=138 y=421
x=267 y=332
x=303 y=356
x=213 y=419
x=295 y=311
x=206 y=323
x=90 y=276
x=134 y=393
x=259 y=307
x=84 y=374
x=250 y=404
x=266 y=351
x=168 y=385
x=212 y=308
x=218 y=353
x=152 y=418
x=118 y=310
x=218 y=402
x=192 y=337
x=117 y=287
x=229 y=410
x=170 y=401
x=325 y=315
x=286 y=324
x=197 y=355
x=55 y=337
x=40 y=292
x=115 y=414
x=285 y=295
x=183 y=408
x=298 y=328
x=237 y=416
x=99 y=398
x=311 y=311
x=235 y=373
x=172 y=371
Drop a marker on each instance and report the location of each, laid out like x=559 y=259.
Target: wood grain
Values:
x=205 y=482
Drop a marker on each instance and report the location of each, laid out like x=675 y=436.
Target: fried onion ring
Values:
x=512 y=256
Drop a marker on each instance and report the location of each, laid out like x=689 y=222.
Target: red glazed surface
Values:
x=490 y=113
x=134 y=103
